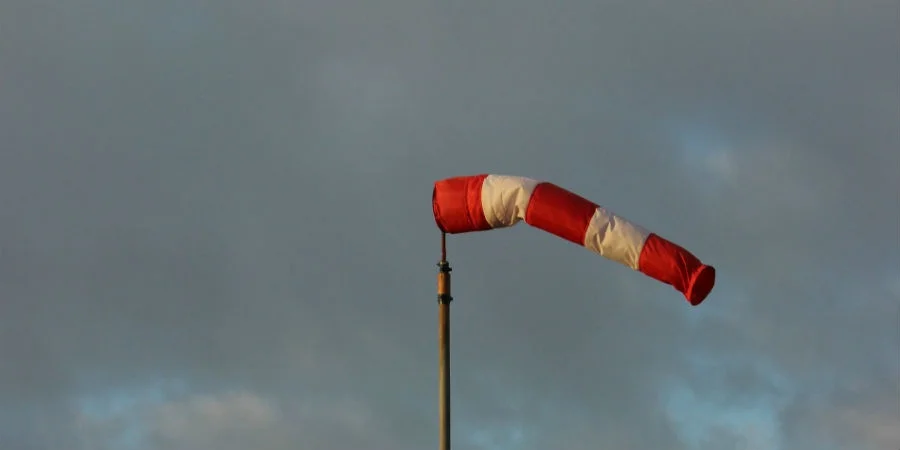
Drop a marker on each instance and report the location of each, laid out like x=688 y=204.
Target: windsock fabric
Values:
x=484 y=202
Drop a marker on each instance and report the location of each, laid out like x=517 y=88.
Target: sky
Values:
x=216 y=232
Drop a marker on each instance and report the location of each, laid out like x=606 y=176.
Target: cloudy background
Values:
x=215 y=230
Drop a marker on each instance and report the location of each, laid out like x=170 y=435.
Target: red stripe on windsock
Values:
x=558 y=211
x=672 y=264
x=457 y=204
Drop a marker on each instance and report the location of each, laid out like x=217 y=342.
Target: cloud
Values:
x=228 y=420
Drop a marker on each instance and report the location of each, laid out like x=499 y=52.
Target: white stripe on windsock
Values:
x=505 y=199
x=615 y=238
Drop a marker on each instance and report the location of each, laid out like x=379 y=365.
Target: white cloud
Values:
x=874 y=430
x=212 y=415
x=225 y=421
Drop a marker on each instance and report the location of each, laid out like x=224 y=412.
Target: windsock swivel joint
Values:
x=443 y=283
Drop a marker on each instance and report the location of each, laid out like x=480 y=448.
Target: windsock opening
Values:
x=457 y=204
x=702 y=282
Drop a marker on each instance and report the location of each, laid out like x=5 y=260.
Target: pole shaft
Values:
x=444 y=374
x=444 y=299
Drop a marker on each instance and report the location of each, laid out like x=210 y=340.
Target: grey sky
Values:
x=215 y=230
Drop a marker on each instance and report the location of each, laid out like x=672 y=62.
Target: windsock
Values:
x=485 y=202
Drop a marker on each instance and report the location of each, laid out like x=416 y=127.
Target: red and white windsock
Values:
x=484 y=202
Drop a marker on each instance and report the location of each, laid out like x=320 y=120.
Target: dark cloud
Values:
x=215 y=229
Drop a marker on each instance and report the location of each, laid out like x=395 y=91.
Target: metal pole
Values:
x=444 y=299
